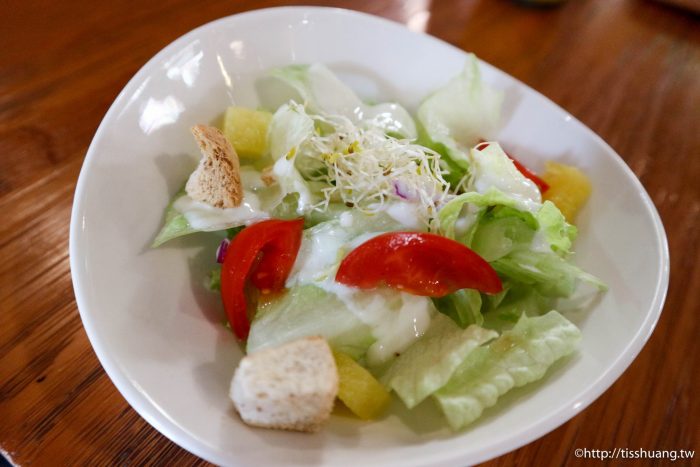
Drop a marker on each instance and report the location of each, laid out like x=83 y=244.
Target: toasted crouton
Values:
x=217 y=179
x=289 y=387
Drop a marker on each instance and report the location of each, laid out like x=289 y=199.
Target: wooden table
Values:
x=629 y=69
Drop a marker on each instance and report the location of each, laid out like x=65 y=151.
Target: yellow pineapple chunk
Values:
x=569 y=188
x=358 y=389
x=246 y=130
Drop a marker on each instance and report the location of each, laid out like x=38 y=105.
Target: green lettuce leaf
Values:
x=258 y=201
x=429 y=363
x=175 y=224
x=463 y=306
x=502 y=311
x=460 y=217
x=502 y=230
x=458 y=115
x=518 y=357
x=548 y=273
x=289 y=128
x=493 y=169
x=558 y=233
x=213 y=281
x=321 y=91
x=308 y=311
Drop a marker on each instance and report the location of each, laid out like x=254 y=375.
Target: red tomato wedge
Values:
x=418 y=263
x=264 y=253
x=541 y=184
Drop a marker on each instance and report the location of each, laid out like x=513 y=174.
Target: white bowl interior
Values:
x=157 y=330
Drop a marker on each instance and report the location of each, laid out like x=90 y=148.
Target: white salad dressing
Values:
x=346 y=219
x=405 y=213
x=251 y=179
x=318 y=253
x=205 y=217
x=397 y=319
x=492 y=168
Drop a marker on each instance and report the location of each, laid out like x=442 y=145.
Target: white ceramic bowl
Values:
x=157 y=331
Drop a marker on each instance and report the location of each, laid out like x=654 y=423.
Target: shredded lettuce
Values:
x=518 y=357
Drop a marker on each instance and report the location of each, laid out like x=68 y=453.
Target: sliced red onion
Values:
x=400 y=192
x=221 y=251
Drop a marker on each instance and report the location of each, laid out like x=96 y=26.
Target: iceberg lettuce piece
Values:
x=549 y=274
x=458 y=115
x=325 y=244
x=429 y=363
x=506 y=225
x=322 y=92
x=175 y=224
x=289 y=129
x=492 y=168
x=502 y=311
x=463 y=306
x=518 y=357
x=396 y=319
x=184 y=215
x=557 y=234
x=308 y=311
x=460 y=217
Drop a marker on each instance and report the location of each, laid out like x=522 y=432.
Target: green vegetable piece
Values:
x=520 y=356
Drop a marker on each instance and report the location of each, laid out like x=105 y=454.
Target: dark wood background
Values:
x=629 y=69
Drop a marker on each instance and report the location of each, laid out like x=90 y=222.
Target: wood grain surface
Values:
x=629 y=69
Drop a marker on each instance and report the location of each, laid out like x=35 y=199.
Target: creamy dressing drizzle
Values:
x=397 y=319
x=404 y=213
x=205 y=217
x=318 y=254
x=493 y=169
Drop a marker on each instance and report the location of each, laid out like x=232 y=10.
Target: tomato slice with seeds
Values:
x=418 y=263
x=263 y=253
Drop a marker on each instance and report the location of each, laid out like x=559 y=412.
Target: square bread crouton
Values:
x=289 y=387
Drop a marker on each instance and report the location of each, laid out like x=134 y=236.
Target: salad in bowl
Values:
x=368 y=252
